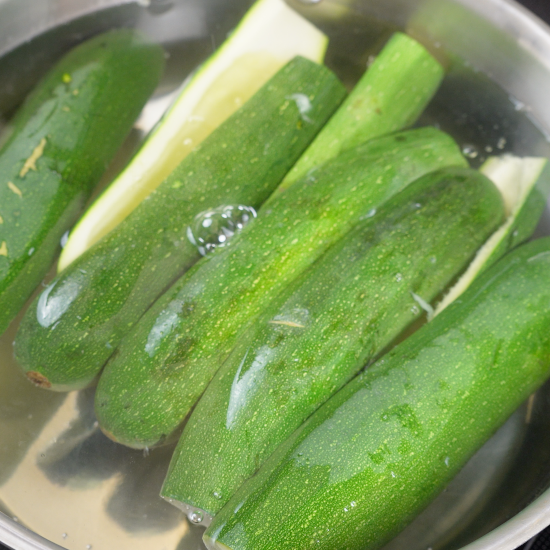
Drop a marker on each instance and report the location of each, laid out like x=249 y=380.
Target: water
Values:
x=214 y=228
x=482 y=118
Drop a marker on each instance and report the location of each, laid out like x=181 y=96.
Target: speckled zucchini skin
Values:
x=390 y=96
x=165 y=363
x=352 y=303
x=64 y=136
x=74 y=326
x=375 y=454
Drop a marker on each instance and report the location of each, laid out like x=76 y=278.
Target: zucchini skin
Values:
x=74 y=326
x=163 y=366
x=349 y=306
x=403 y=69
x=375 y=454
x=64 y=136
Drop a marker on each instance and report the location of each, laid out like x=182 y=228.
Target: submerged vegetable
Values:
x=165 y=363
x=64 y=136
x=375 y=454
x=268 y=36
x=72 y=328
x=308 y=342
x=524 y=184
x=390 y=96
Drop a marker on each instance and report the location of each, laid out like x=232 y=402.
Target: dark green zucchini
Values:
x=352 y=303
x=165 y=363
x=76 y=323
x=63 y=138
x=375 y=454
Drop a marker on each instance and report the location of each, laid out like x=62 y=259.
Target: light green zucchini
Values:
x=390 y=96
x=166 y=362
x=375 y=454
x=74 y=326
x=63 y=138
x=314 y=337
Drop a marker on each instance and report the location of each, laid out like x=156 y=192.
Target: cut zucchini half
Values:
x=268 y=36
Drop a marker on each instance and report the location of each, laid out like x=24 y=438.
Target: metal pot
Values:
x=69 y=485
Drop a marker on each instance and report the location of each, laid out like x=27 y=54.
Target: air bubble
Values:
x=470 y=151
x=399 y=277
x=370 y=214
x=64 y=239
x=214 y=228
x=195 y=517
x=501 y=144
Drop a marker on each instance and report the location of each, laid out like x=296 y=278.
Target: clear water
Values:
x=81 y=466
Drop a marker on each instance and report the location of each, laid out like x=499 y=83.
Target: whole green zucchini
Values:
x=165 y=363
x=76 y=323
x=349 y=306
x=63 y=138
x=390 y=96
x=374 y=455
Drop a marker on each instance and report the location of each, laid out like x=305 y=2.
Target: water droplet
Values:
x=31 y=251
x=518 y=105
x=488 y=149
x=88 y=547
x=146 y=451
x=447 y=459
x=470 y=151
x=303 y=104
x=501 y=144
x=515 y=233
x=417 y=205
x=64 y=535
x=346 y=510
x=64 y=239
x=214 y=228
x=217 y=495
x=353 y=504
x=310 y=1
x=415 y=310
x=433 y=259
x=399 y=277
x=393 y=474
x=370 y=214
x=195 y=517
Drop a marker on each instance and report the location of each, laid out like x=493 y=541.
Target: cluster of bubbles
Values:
x=214 y=228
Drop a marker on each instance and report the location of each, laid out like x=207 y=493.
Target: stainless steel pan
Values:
x=62 y=484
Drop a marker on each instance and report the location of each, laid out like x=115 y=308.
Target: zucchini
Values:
x=403 y=69
x=323 y=329
x=524 y=184
x=63 y=138
x=73 y=327
x=376 y=453
x=165 y=363
x=269 y=35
